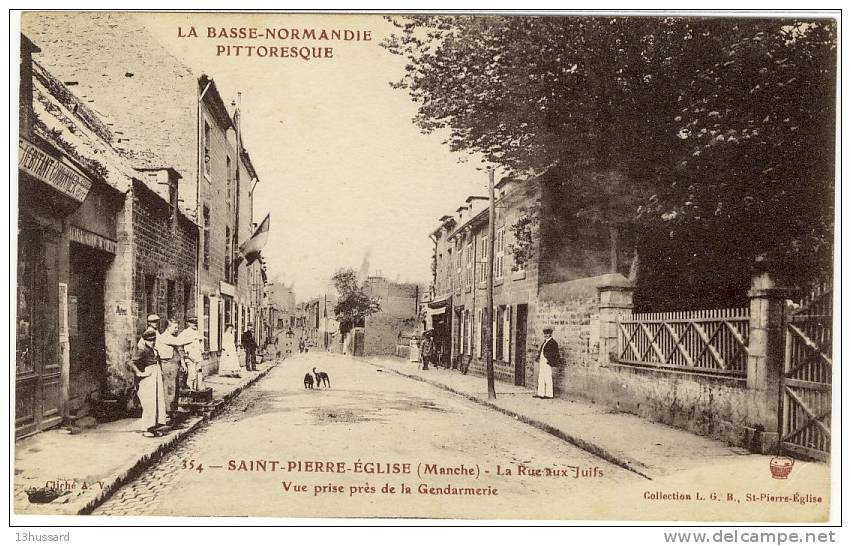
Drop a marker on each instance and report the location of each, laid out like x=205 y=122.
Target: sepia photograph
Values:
x=481 y=266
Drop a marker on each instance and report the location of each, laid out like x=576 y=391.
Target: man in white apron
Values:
x=548 y=356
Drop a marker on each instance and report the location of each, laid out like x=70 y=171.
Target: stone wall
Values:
x=381 y=331
x=718 y=407
x=164 y=252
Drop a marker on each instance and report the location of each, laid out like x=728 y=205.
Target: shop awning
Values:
x=439 y=306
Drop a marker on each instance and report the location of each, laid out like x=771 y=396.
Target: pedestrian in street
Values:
x=548 y=357
x=229 y=361
x=250 y=347
x=414 y=350
x=150 y=389
x=301 y=345
x=193 y=353
x=427 y=350
x=171 y=359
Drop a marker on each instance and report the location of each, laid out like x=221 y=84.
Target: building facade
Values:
x=547 y=266
x=400 y=307
x=102 y=242
x=162 y=114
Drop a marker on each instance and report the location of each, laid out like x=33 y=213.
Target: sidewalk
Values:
x=88 y=467
x=652 y=450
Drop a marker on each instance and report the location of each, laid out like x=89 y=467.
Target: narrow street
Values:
x=369 y=416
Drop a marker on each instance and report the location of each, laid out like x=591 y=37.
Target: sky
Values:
x=343 y=170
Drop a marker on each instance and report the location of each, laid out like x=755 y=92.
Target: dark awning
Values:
x=441 y=303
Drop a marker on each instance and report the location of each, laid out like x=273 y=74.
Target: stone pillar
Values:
x=615 y=301
x=765 y=358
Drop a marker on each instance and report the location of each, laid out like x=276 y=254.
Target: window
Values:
x=481 y=332
x=228 y=255
x=206 y=237
x=499 y=332
x=206 y=323
x=449 y=269
x=468 y=329
x=506 y=337
x=459 y=279
x=499 y=253
x=468 y=281
x=206 y=143
x=483 y=252
x=228 y=307
x=229 y=183
x=187 y=299
x=150 y=295
x=462 y=333
x=170 y=310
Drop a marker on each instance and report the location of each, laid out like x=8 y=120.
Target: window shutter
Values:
x=479 y=332
x=215 y=310
x=506 y=335
x=493 y=334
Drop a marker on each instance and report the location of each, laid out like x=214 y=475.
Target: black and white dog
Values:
x=321 y=377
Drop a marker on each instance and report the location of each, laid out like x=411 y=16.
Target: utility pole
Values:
x=489 y=309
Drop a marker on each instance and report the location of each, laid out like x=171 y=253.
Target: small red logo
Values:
x=781 y=467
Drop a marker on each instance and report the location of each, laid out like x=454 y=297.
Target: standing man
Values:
x=193 y=352
x=171 y=355
x=427 y=350
x=153 y=323
x=548 y=357
x=250 y=347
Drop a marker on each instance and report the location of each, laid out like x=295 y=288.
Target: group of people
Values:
x=549 y=357
x=426 y=351
x=185 y=350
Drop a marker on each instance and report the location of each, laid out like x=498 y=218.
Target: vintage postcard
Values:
x=505 y=266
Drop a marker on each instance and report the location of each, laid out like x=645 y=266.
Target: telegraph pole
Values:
x=489 y=309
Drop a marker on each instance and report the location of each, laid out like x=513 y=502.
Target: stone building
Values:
x=547 y=266
x=164 y=115
x=101 y=243
x=400 y=307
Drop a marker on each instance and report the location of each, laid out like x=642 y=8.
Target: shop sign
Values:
x=84 y=237
x=55 y=172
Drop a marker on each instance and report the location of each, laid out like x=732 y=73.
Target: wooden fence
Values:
x=713 y=341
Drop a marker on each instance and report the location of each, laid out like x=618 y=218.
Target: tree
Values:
x=677 y=126
x=353 y=303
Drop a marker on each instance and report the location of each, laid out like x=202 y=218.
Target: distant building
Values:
x=400 y=309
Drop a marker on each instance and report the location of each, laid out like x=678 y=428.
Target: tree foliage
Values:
x=683 y=126
x=353 y=303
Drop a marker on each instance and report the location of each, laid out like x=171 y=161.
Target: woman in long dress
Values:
x=229 y=361
x=151 y=391
x=415 y=350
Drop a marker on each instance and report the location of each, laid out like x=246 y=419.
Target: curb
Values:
x=148 y=459
x=584 y=445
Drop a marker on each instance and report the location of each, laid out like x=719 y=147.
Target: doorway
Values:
x=520 y=346
x=86 y=331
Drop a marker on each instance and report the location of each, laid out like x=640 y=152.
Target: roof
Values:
x=170 y=170
x=27 y=46
x=474 y=197
x=246 y=159
x=215 y=102
x=64 y=122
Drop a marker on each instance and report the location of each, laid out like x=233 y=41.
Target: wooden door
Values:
x=520 y=345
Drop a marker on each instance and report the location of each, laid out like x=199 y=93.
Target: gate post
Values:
x=765 y=358
x=615 y=301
